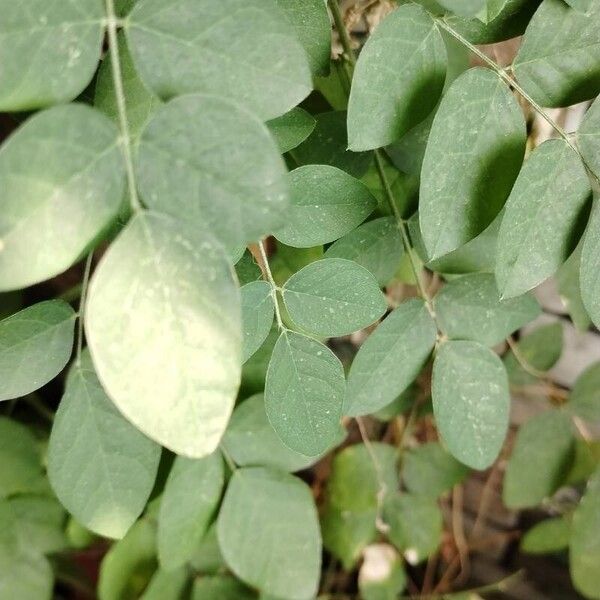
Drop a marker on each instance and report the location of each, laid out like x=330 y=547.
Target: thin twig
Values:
x=82 y=301
x=268 y=275
x=523 y=362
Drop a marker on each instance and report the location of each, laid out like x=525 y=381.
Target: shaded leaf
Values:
x=470 y=401
x=221 y=587
x=390 y=359
x=284 y=524
x=304 y=392
x=170 y=356
x=472 y=159
x=569 y=289
x=292 y=128
x=589 y=273
x=166 y=585
x=584 y=400
x=588 y=137
x=257 y=316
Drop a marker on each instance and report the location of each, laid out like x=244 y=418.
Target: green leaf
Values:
x=428 y=470
x=551 y=535
x=123 y=7
x=584 y=400
x=589 y=273
x=584 y=544
x=104 y=474
x=35 y=345
x=311 y=23
x=326 y=204
x=465 y=8
x=166 y=585
x=247 y=270
x=288 y=260
x=191 y=495
x=569 y=289
x=558 y=63
x=328 y=145
x=348 y=520
x=415 y=524
x=284 y=525
x=140 y=102
x=163 y=326
x=66 y=162
x=186 y=168
x=49 y=51
x=221 y=587
x=588 y=137
x=540 y=460
x=381 y=575
x=257 y=316
x=20 y=458
x=333 y=297
x=291 y=129
x=541 y=349
x=544 y=213
x=390 y=359
x=304 y=392
x=376 y=245
x=470 y=402
x=470 y=308
x=251 y=441
x=582 y=5
x=472 y=159
x=221 y=47
x=382 y=107
x=207 y=557
x=254 y=370
x=129 y=564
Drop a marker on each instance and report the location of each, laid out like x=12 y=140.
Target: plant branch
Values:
x=342 y=32
x=112 y=23
x=84 y=289
x=269 y=278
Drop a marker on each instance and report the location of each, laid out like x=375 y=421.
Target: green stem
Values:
x=82 y=301
x=271 y=281
x=113 y=46
x=502 y=73
x=342 y=31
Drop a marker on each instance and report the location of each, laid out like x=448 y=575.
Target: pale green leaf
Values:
x=20 y=459
x=230 y=48
x=376 y=245
x=257 y=316
x=333 y=297
x=251 y=441
x=415 y=524
x=328 y=145
x=540 y=460
x=390 y=359
x=283 y=525
x=465 y=8
x=35 y=345
x=584 y=400
x=470 y=401
x=163 y=326
x=129 y=564
x=49 y=51
x=588 y=137
x=304 y=392
x=584 y=548
x=191 y=495
x=310 y=20
x=470 y=308
x=63 y=163
x=291 y=129
x=167 y=585
x=101 y=467
x=207 y=556
x=326 y=204
x=582 y=5
x=589 y=273
x=558 y=63
x=550 y=535
x=544 y=212
x=428 y=470
x=221 y=587
x=140 y=102
x=186 y=168
x=398 y=78
x=472 y=159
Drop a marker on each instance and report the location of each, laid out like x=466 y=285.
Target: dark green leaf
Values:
x=470 y=402
x=304 y=392
x=291 y=129
x=472 y=159
x=390 y=359
x=383 y=107
x=257 y=316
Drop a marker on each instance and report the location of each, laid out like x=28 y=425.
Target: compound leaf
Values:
x=101 y=468
x=333 y=297
x=398 y=78
x=169 y=357
x=283 y=524
x=390 y=359
x=304 y=392
x=64 y=161
x=35 y=345
x=470 y=401
x=472 y=159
